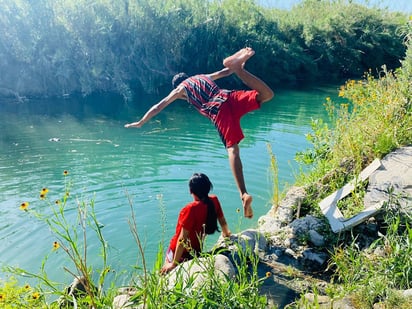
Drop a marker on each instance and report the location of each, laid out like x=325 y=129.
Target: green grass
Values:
x=375 y=119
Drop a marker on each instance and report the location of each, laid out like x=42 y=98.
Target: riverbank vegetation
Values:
x=61 y=48
x=376 y=120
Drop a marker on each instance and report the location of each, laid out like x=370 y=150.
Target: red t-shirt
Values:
x=192 y=217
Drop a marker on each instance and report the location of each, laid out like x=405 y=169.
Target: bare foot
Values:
x=239 y=58
x=247 y=205
x=229 y=60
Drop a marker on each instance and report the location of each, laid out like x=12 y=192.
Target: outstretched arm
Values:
x=157 y=108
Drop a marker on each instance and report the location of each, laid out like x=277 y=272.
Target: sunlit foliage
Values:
x=60 y=48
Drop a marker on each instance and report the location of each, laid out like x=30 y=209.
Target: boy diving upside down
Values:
x=223 y=107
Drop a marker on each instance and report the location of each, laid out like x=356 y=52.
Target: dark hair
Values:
x=178 y=78
x=200 y=185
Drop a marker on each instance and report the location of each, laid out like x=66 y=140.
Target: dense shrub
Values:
x=57 y=48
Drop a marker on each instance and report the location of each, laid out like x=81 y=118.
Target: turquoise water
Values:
x=151 y=166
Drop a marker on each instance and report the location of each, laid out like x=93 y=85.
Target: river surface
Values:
x=147 y=169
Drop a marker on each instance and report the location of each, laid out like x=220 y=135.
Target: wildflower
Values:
x=56 y=245
x=27 y=287
x=57 y=202
x=65 y=173
x=43 y=193
x=2 y=297
x=24 y=205
x=341 y=93
x=237 y=210
x=268 y=274
x=35 y=295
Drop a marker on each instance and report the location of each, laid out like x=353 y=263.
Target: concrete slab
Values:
x=329 y=207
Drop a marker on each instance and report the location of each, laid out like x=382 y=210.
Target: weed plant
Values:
x=72 y=238
x=377 y=272
x=376 y=119
x=275 y=177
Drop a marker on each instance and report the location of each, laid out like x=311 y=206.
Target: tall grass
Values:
x=275 y=177
x=72 y=238
x=372 y=119
x=375 y=119
x=376 y=273
x=215 y=290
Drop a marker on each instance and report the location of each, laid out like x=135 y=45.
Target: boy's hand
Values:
x=226 y=234
x=133 y=125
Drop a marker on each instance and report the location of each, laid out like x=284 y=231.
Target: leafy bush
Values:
x=60 y=48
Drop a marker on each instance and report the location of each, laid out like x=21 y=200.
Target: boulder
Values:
x=195 y=272
x=395 y=174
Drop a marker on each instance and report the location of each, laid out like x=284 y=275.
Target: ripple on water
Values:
x=119 y=168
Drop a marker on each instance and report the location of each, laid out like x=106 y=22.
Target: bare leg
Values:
x=236 y=63
x=237 y=170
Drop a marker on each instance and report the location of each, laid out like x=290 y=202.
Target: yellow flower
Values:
x=56 y=245
x=341 y=93
x=27 y=287
x=43 y=193
x=57 y=202
x=35 y=295
x=2 y=297
x=65 y=173
x=268 y=274
x=24 y=205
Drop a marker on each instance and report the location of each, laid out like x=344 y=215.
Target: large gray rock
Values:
x=269 y=225
x=250 y=240
x=195 y=272
x=394 y=174
x=284 y=211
